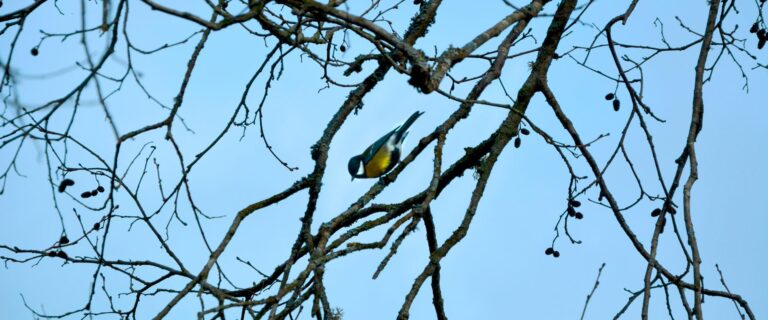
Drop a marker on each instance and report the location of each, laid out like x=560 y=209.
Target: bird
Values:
x=382 y=155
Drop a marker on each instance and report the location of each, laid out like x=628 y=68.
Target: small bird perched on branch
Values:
x=382 y=155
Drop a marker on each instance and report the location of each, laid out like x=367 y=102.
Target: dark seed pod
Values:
x=575 y=203
x=61 y=254
x=417 y=1
x=94 y=193
x=656 y=212
x=51 y=253
x=100 y=189
x=96 y=226
x=549 y=251
x=754 y=28
x=555 y=56
x=343 y=48
x=578 y=215
x=64 y=240
x=761 y=34
x=525 y=131
x=65 y=183
x=517 y=142
x=86 y=194
x=671 y=209
x=761 y=43
x=609 y=96
x=571 y=211
x=556 y=254
x=34 y=51
x=616 y=104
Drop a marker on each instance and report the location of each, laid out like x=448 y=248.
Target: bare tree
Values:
x=323 y=34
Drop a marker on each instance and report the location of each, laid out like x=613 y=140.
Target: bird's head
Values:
x=355 y=166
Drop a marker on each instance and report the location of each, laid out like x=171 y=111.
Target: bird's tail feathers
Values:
x=403 y=137
x=402 y=131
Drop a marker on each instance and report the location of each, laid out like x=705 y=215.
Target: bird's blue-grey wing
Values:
x=373 y=148
x=400 y=133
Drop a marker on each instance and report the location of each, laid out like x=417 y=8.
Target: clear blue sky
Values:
x=499 y=270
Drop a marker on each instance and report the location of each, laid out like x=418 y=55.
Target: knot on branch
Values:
x=356 y=66
x=420 y=78
x=314 y=152
x=427 y=80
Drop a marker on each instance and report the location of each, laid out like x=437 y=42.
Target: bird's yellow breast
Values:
x=378 y=164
